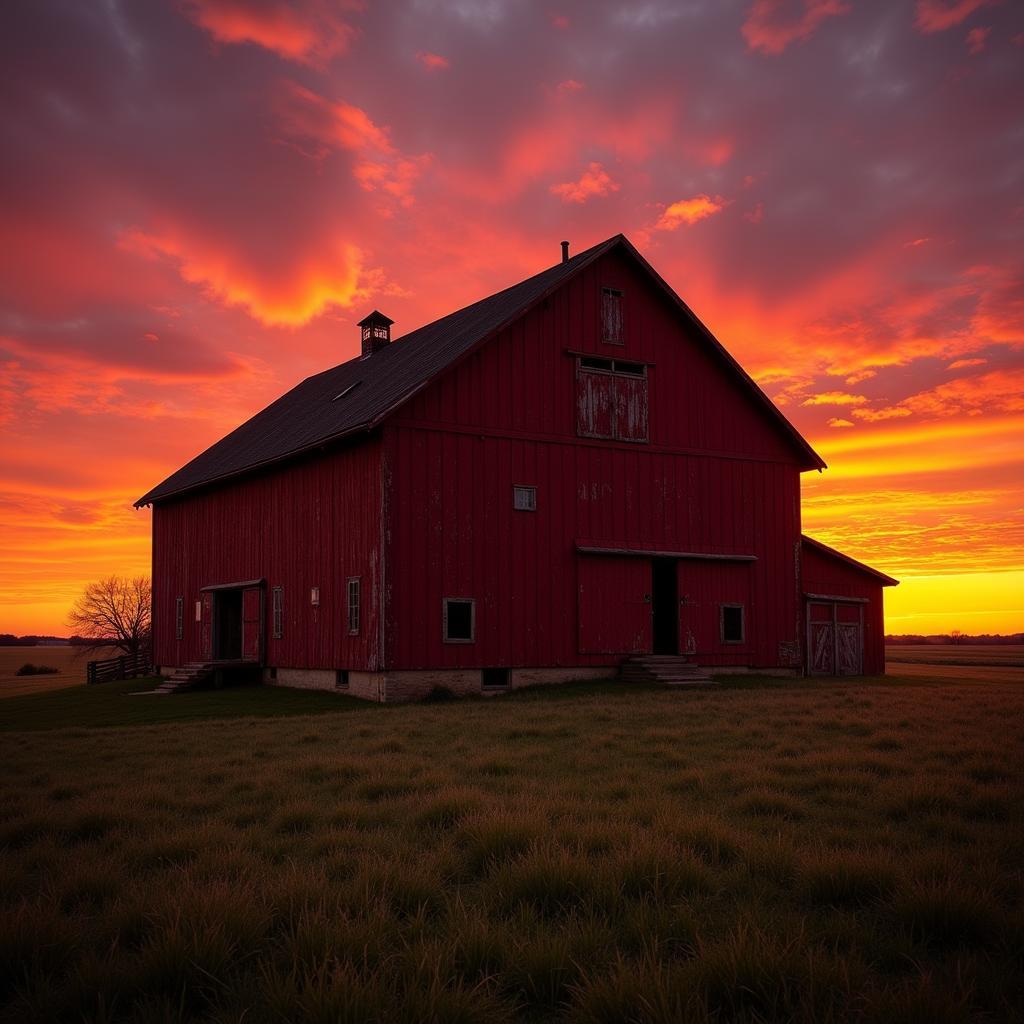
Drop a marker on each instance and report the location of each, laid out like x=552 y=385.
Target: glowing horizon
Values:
x=202 y=198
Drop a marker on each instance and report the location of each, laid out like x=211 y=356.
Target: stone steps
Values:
x=664 y=669
x=187 y=677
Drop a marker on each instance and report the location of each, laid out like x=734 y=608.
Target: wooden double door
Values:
x=232 y=623
x=835 y=638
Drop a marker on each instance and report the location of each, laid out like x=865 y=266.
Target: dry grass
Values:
x=763 y=852
x=69 y=662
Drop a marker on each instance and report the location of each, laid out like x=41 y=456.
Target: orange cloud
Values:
x=936 y=16
x=433 y=61
x=769 y=30
x=595 y=181
x=837 y=422
x=1001 y=391
x=309 y=31
x=834 y=398
x=331 y=278
x=963 y=364
x=689 y=211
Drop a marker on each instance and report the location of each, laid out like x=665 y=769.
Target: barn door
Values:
x=206 y=626
x=252 y=624
x=835 y=638
x=614 y=605
x=821 y=640
x=849 y=640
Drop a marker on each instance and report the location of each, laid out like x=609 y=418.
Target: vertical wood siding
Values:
x=313 y=523
x=716 y=477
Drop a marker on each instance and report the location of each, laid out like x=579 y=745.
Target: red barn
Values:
x=564 y=477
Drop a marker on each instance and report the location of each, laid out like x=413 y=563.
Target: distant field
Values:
x=766 y=851
x=70 y=662
x=1009 y=655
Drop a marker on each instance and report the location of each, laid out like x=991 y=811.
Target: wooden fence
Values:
x=125 y=666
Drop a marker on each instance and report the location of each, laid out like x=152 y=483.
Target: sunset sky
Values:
x=201 y=197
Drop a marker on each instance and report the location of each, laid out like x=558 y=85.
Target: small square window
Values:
x=732 y=624
x=611 y=316
x=353 y=605
x=459 y=625
x=314 y=596
x=495 y=679
x=341 y=678
x=524 y=499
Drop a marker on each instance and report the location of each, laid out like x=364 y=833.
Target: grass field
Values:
x=1007 y=655
x=765 y=851
x=69 y=662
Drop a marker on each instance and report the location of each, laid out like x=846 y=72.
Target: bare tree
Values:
x=955 y=636
x=114 y=611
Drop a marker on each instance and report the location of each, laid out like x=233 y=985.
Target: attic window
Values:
x=611 y=316
x=351 y=387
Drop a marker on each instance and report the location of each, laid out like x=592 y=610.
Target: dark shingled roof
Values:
x=357 y=395
x=824 y=549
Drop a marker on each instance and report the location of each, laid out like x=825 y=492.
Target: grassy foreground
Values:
x=771 y=852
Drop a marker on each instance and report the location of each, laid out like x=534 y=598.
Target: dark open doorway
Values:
x=227 y=631
x=665 y=606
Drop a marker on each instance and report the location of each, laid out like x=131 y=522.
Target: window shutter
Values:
x=631 y=408
x=595 y=404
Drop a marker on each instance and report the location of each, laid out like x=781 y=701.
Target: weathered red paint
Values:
x=422 y=509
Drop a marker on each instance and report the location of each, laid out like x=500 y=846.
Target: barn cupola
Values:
x=376 y=332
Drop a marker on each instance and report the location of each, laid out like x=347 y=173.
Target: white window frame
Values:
x=524 y=497
x=743 y=622
x=354 y=588
x=471 y=639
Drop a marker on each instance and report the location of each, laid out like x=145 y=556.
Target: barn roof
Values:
x=357 y=395
x=852 y=563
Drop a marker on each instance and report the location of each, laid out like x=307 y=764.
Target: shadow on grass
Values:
x=126 y=703
x=112 y=704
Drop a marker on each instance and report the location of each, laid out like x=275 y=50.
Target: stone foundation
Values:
x=404 y=685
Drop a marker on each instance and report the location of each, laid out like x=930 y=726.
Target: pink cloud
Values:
x=937 y=16
x=595 y=181
x=337 y=125
x=976 y=39
x=689 y=211
x=308 y=31
x=770 y=28
x=433 y=61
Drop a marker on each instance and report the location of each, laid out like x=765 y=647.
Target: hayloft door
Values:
x=252 y=624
